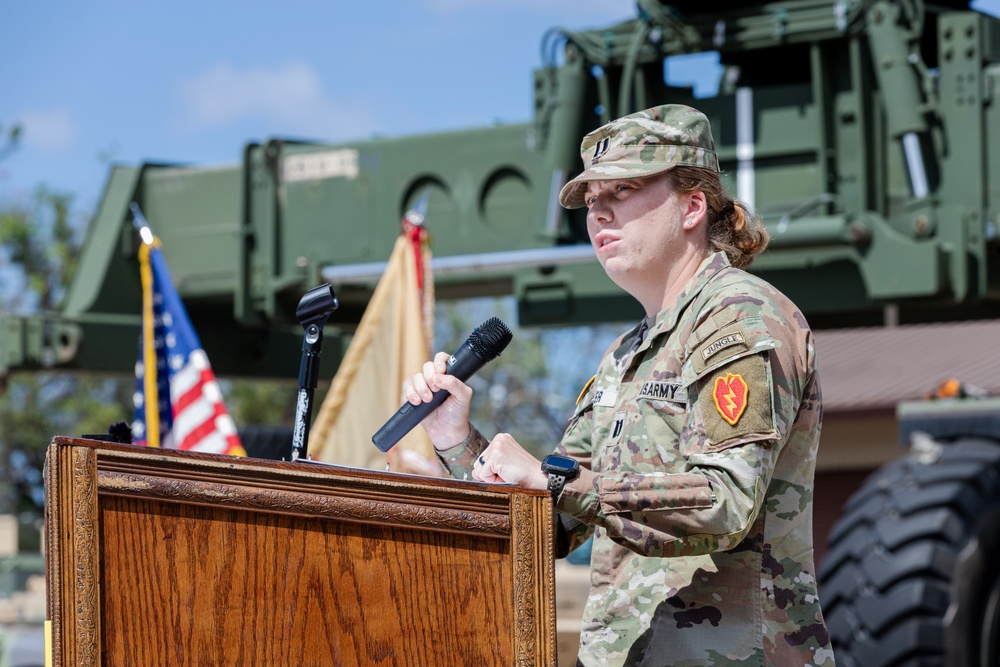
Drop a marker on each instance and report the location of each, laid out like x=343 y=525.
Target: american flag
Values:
x=178 y=402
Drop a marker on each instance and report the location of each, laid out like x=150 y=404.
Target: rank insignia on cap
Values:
x=730 y=396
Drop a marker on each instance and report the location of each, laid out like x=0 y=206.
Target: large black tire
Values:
x=912 y=576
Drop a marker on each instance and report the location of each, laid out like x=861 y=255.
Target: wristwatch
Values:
x=560 y=469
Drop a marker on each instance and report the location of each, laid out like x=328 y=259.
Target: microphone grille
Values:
x=490 y=338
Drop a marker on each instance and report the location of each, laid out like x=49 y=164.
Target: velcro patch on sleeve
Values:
x=733 y=340
x=736 y=402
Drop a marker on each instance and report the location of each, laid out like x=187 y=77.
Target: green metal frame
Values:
x=825 y=104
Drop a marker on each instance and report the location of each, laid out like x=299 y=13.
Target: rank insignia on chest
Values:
x=618 y=426
x=730 y=395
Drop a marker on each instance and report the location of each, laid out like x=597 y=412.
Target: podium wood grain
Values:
x=169 y=558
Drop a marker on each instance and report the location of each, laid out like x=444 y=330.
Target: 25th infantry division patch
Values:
x=742 y=396
x=731 y=395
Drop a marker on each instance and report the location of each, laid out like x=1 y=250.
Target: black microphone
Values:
x=484 y=344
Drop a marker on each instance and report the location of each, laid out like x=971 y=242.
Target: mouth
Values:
x=603 y=241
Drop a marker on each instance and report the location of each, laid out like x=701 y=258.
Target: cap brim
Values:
x=572 y=194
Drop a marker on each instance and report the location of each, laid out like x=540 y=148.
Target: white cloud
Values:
x=291 y=95
x=49 y=131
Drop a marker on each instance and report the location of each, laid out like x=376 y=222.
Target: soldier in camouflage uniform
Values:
x=696 y=438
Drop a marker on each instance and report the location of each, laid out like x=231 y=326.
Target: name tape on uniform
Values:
x=606 y=398
x=674 y=392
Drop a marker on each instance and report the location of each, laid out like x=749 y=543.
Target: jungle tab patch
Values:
x=732 y=341
x=731 y=396
x=735 y=338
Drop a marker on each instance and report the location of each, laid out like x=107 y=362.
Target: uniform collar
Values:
x=666 y=320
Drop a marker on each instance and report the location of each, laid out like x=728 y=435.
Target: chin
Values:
x=619 y=277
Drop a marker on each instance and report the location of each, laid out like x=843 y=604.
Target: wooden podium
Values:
x=157 y=557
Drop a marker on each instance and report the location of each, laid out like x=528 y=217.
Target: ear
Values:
x=696 y=209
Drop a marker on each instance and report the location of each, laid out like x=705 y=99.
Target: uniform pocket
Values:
x=662 y=423
x=636 y=492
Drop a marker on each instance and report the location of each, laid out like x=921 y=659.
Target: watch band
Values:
x=556 y=484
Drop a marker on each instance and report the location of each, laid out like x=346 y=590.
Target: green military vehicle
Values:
x=866 y=132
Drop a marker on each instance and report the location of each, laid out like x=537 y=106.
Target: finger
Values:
x=490 y=477
x=479 y=467
x=485 y=475
x=409 y=393
x=441 y=361
x=429 y=370
x=454 y=386
x=422 y=389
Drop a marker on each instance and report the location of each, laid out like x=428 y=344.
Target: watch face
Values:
x=560 y=465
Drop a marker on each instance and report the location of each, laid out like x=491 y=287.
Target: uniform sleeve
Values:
x=571 y=532
x=715 y=458
x=460 y=459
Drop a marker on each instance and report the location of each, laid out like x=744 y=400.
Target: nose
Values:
x=599 y=212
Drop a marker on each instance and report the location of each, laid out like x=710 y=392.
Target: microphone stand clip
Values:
x=312 y=312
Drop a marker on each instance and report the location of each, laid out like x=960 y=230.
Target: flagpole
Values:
x=140 y=224
x=151 y=400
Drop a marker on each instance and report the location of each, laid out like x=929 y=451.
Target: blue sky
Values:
x=191 y=82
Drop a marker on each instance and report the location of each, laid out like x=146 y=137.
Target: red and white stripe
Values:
x=201 y=422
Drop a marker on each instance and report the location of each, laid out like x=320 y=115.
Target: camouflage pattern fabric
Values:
x=643 y=144
x=697 y=453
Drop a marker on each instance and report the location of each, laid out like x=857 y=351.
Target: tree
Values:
x=257 y=402
x=39 y=243
x=530 y=390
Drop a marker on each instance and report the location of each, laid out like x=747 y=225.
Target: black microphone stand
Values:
x=312 y=312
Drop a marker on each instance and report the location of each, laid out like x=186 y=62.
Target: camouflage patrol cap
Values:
x=643 y=144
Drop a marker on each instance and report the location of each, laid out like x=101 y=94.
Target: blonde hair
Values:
x=733 y=228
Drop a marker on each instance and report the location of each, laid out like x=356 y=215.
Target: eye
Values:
x=622 y=187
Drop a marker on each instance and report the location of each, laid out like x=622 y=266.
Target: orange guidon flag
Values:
x=392 y=342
